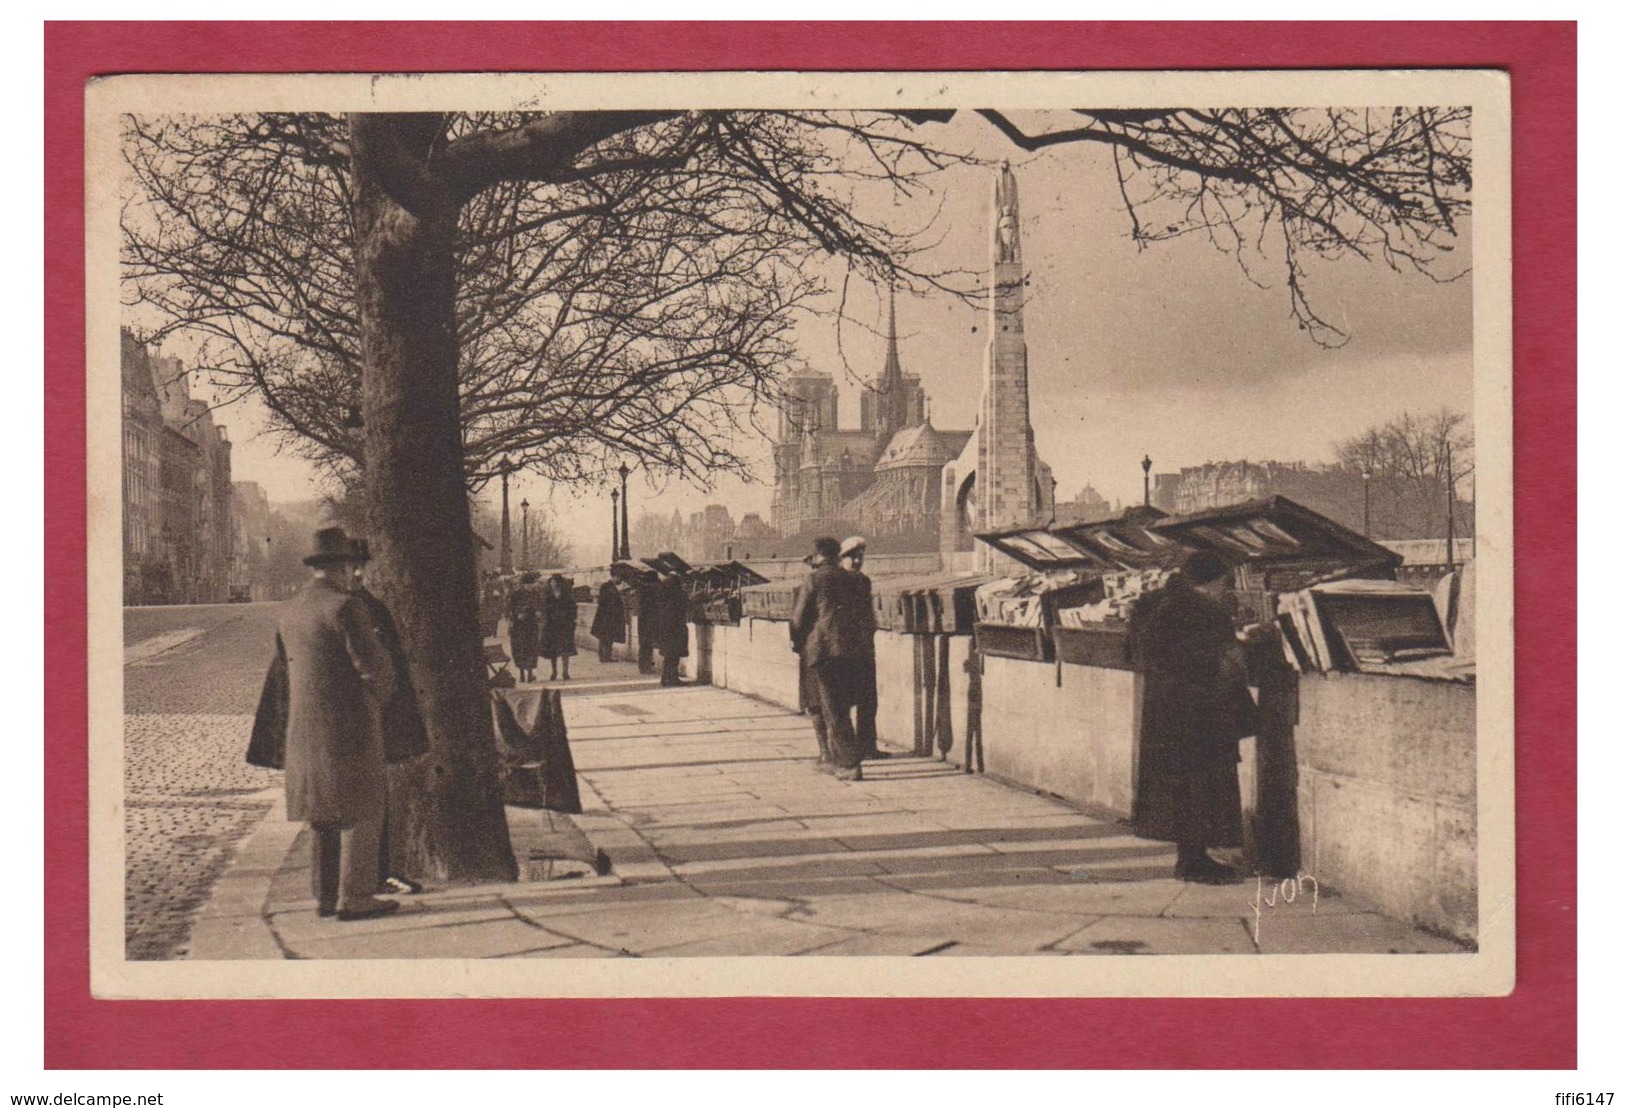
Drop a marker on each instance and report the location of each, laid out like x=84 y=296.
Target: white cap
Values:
x=853 y=544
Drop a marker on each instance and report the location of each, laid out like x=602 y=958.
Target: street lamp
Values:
x=505 y=555
x=614 y=523
x=626 y=501
x=1365 y=475
x=1145 y=466
x=524 y=534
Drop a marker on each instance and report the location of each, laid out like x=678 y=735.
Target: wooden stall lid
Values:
x=1123 y=541
x=1276 y=531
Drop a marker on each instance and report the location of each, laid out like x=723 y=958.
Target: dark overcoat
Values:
x=558 y=629
x=398 y=718
x=525 y=637
x=609 y=621
x=320 y=707
x=1191 y=719
x=831 y=617
x=671 y=618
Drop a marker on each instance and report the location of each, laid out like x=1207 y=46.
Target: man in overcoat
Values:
x=809 y=699
x=671 y=622
x=853 y=551
x=609 y=621
x=330 y=681
x=1193 y=717
x=398 y=720
x=829 y=624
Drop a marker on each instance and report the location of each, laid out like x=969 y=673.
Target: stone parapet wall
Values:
x=1387 y=766
x=1388 y=797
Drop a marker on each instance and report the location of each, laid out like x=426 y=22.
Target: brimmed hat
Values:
x=854 y=544
x=333 y=545
x=1199 y=567
x=826 y=548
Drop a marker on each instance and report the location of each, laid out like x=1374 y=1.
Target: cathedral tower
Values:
x=1006 y=486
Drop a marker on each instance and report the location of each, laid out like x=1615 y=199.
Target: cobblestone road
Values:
x=190 y=799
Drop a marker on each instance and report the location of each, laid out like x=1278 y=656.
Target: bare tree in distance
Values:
x=360 y=275
x=1409 y=461
x=1412 y=446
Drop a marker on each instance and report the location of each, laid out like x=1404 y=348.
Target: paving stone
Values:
x=568 y=950
x=877 y=945
x=494 y=939
x=1138 y=935
x=1348 y=933
x=760 y=937
x=807 y=890
x=1078 y=898
x=642 y=928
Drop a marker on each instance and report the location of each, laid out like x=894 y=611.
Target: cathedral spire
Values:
x=892 y=403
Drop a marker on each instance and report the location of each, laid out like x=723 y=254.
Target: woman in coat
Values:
x=558 y=631
x=609 y=621
x=1195 y=711
x=524 y=627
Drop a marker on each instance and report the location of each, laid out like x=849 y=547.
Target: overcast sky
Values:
x=1169 y=351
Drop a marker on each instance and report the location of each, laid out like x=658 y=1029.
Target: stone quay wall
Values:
x=1387 y=766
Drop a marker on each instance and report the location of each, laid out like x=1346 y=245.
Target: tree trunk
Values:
x=447 y=819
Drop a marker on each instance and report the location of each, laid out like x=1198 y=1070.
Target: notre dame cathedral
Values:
x=908 y=486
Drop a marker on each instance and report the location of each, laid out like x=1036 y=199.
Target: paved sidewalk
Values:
x=725 y=839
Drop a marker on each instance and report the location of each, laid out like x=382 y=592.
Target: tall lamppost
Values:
x=1449 y=508
x=626 y=534
x=505 y=555
x=1145 y=466
x=1365 y=475
x=524 y=534
x=614 y=525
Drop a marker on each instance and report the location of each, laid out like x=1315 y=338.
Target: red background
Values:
x=1534 y=1027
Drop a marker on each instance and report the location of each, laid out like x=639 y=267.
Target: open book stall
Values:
x=716 y=592
x=1330 y=589
x=930 y=604
x=1074 y=601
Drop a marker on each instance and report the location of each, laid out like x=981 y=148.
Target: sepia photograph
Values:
x=773 y=534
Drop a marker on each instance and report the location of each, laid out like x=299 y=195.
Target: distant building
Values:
x=145 y=571
x=1400 y=507
x=250 y=548
x=177 y=495
x=1087 y=507
x=906 y=485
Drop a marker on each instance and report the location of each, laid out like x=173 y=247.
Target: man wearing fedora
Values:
x=831 y=630
x=329 y=683
x=400 y=721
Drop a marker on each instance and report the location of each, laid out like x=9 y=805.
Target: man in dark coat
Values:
x=810 y=702
x=609 y=621
x=853 y=551
x=329 y=683
x=829 y=624
x=558 y=624
x=524 y=609
x=399 y=721
x=671 y=625
x=1191 y=721
x=645 y=596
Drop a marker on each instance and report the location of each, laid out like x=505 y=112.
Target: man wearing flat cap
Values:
x=329 y=684
x=852 y=555
x=832 y=630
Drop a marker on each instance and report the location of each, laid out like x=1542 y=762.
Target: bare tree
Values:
x=1281 y=186
x=1412 y=462
x=416 y=295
